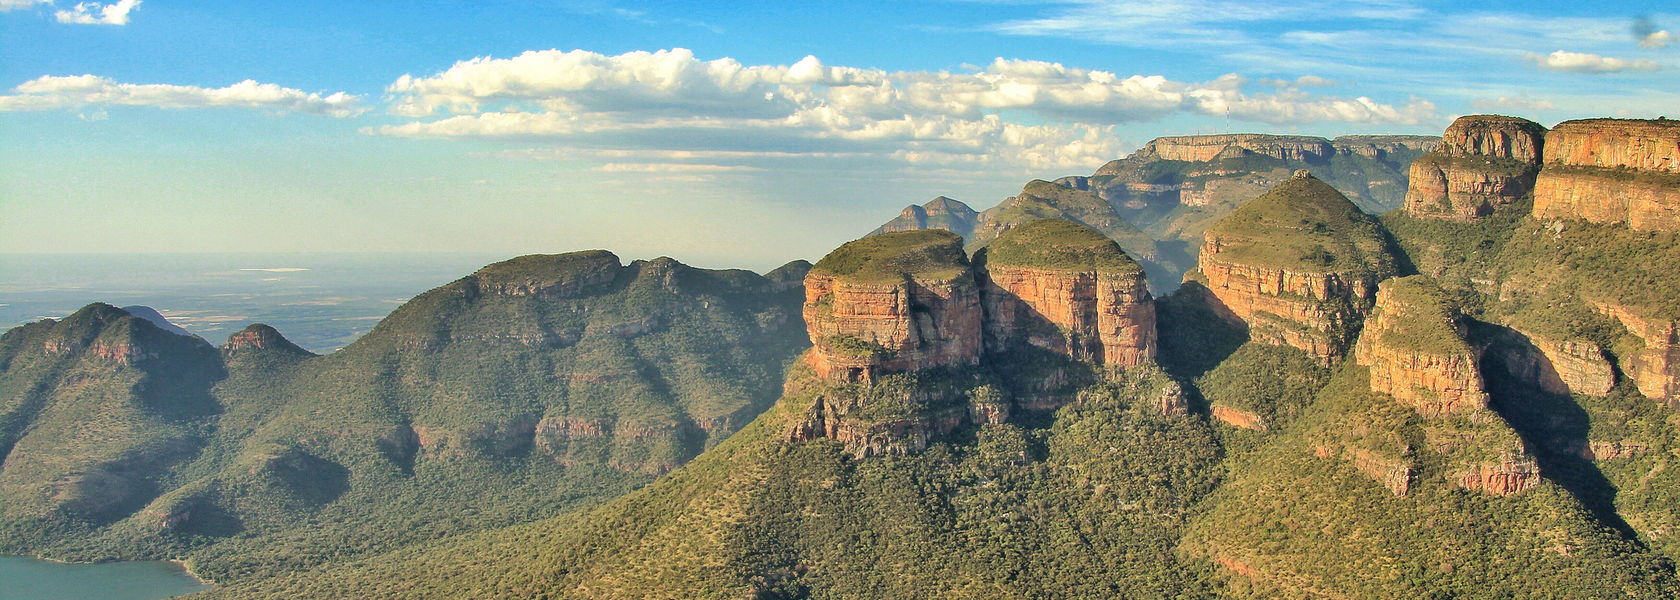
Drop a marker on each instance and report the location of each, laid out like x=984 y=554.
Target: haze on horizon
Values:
x=722 y=135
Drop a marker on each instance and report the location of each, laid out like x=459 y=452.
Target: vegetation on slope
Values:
x=1304 y=225
x=1061 y=245
x=929 y=253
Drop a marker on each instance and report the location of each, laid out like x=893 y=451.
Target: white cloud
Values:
x=1018 y=113
x=54 y=92
x=1581 y=62
x=1656 y=40
x=10 y=5
x=94 y=13
x=1515 y=103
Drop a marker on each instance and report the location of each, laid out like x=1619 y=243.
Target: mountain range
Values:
x=1471 y=395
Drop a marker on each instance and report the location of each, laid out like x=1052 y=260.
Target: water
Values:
x=319 y=301
x=24 y=578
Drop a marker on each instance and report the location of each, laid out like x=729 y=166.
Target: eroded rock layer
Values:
x=1483 y=162
x=1064 y=287
x=1297 y=265
x=1612 y=171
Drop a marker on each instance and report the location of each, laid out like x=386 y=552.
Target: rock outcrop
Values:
x=1655 y=367
x=1203 y=148
x=1064 y=287
x=1612 y=171
x=1560 y=367
x=1416 y=352
x=892 y=303
x=1298 y=265
x=1483 y=162
x=258 y=336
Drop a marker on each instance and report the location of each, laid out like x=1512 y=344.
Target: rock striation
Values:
x=1064 y=287
x=900 y=321
x=1655 y=366
x=1612 y=171
x=1298 y=266
x=1483 y=162
x=1416 y=353
x=1414 y=350
x=892 y=303
x=1560 y=367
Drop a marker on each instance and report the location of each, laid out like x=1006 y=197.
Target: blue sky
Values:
x=722 y=134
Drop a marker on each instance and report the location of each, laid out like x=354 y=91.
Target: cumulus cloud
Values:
x=1581 y=62
x=1656 y=40
x=54 y=92
x=94 y=13
x=1021 y=112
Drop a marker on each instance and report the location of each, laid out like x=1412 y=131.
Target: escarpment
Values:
x=1612 y=171
x=1298 y=266
x=1415 y=353
x=1483 y=162
x=1065 y=287
x=890 y=304
x=905 y=330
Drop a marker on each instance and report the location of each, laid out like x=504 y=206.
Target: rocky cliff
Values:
x=1415 y=353
x=892 y=303
x=1483 y=162
x=1064 y=287
x=1612 y=171
x=1298 y=265
x=1202 y=148
x=1655 y=366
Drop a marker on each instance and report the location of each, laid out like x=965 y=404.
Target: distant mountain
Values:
x=529 y=387
x=156 y=318
x=938 y=213
x=1173 y=188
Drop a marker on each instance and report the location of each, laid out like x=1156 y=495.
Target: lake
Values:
x=32 y=579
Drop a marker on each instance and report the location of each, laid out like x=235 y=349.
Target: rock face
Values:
x=892 y=303
x=1483 y=162
x=1430 y=370
x=1202 y=148
x=259 y=337
x=1415 y=352
x=1612 y=171
x=1297 y=265
x=1061 y=286
x=1562 y=367
x=1655 y=368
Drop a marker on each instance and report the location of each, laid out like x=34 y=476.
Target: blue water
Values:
x=319 y=301
x=24 y=578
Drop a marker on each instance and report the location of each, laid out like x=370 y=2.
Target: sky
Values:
x=738 y=134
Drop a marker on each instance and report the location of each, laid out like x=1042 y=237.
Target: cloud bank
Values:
x=55 y=92
x=1019 y=112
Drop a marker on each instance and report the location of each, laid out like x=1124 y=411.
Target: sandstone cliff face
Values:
x=1562 y=367
x=1433 y=378
x=1202 y=148
x=1298 y=265
x=1281 y=306
x=1655 y=369
x=1416 y=354
x=863 y=330
x=1612 y=171
x=1483 y=162
x=1093 y=316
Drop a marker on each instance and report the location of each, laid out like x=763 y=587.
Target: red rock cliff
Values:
x=910 y=303
x=1483 y=162
x=1430 y=369
x=1612 y=171
x=1064 y=287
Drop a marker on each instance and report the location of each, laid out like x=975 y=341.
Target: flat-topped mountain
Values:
x=1483 y=162
x=1298 y=266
